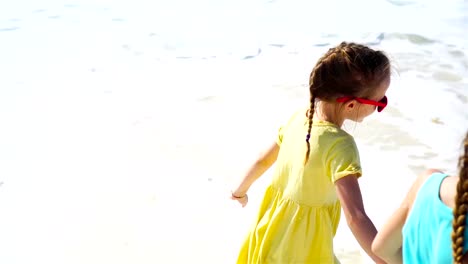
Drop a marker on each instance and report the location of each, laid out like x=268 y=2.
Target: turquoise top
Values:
x=428 y=228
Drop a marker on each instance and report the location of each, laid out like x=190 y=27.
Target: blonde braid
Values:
x=461 y=207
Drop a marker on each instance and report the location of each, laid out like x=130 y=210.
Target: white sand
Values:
x=109 y=177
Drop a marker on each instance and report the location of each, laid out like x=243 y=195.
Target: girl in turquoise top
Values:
x=429 y=226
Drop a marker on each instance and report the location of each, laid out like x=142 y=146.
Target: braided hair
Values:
x=349 y=69
x=461 y=207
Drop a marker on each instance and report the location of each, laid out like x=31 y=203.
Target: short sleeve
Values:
x=343 y=159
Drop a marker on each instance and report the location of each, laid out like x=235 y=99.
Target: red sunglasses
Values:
x=380 y=104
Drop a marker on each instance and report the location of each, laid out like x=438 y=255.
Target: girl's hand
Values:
x=242 y=199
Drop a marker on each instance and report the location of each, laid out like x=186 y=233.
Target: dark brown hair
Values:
x=461 y=206
x=348 y=69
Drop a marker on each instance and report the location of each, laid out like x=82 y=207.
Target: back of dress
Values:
x=300 y=212
x=333 y=155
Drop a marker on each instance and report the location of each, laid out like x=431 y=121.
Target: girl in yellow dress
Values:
x=315 y=177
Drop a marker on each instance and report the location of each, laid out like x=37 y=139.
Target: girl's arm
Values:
x=361 y=226
x=388 y=242
x=266 y=159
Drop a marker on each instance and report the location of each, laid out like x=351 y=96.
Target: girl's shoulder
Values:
x=416 y=186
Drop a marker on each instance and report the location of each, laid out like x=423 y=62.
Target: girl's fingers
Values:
x=243 y=201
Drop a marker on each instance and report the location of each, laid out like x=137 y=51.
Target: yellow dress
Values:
x=300 y=211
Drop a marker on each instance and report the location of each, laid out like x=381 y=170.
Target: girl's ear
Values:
x=350 y=105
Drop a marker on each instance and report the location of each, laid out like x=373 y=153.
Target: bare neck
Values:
x=329 y=112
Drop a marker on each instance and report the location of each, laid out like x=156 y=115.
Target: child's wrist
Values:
x=237 y=195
